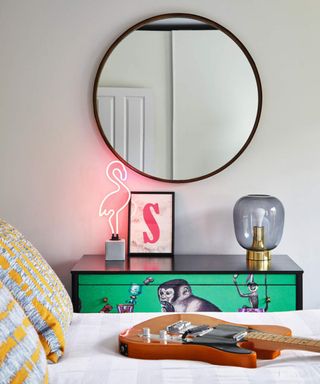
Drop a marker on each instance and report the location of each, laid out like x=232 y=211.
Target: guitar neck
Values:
x=269 y=341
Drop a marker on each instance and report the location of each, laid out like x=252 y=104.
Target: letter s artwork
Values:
x=151 y=223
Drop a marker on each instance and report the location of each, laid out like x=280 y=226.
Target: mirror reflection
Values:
x=177 y=99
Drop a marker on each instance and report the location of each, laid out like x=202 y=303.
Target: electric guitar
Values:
x=205 y=338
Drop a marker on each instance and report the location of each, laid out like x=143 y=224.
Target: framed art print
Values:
x=151 y=223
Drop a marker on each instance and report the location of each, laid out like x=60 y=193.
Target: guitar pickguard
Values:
x=226 y=345
x=223 y=337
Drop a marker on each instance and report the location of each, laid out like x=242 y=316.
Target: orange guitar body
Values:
x=132 y=344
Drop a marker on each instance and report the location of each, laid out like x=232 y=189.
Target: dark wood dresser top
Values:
x=182 y=264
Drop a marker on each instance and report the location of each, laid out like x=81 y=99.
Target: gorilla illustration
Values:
x=176 y=296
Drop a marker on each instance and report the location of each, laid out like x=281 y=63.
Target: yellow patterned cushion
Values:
x=37 y=289
x=22 y=358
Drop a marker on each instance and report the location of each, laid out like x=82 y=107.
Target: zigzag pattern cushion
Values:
x=22 y=358
x=36 y=288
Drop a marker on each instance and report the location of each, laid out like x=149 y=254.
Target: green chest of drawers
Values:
x=185 y=283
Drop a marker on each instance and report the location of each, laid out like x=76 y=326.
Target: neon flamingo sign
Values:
x=117 y=174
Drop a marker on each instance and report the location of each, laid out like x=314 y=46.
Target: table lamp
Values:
x=258 y=224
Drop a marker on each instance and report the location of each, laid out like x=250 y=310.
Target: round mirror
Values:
x=177 y=97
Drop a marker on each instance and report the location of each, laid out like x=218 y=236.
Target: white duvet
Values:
x=91 y=354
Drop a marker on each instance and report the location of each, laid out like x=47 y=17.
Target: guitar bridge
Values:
x=179 y=327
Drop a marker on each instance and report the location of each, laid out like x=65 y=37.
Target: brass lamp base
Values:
x=259 y=260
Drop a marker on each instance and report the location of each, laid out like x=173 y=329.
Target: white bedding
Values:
x=91 y=354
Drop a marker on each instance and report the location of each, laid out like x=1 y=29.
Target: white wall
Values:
x=215 y=101
x=53 y=159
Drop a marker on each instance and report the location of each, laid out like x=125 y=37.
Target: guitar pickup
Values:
x=239 y=336
x=228 y=330
x=199 y=330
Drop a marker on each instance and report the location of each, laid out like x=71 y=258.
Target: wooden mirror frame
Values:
x=212 y=24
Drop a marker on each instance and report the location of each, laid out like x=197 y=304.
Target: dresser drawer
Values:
x=185 y=283
x=225 y=297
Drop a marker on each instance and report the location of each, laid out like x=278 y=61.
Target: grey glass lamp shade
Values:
x=258 y=224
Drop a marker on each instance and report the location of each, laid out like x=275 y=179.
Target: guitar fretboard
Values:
x=291 y=341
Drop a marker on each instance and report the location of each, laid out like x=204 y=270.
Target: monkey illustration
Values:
x=176 y=296
x=252 y=295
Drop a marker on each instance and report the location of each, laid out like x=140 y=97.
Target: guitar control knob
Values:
x=146 y=332
x=163 y=334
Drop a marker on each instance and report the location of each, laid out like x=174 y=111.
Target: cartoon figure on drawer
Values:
x=252 y=295
x=134 y=290
x=107 y=307
x=176 y=296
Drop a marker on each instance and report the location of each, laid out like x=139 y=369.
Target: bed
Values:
x=35 y=315
x=91 y=354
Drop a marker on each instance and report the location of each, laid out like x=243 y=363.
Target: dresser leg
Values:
x=75 y=293
x=299 y=297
